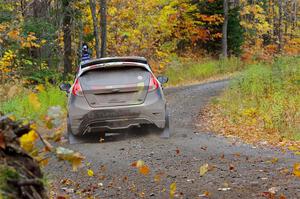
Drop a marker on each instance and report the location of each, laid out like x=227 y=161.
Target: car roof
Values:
x=105 y=60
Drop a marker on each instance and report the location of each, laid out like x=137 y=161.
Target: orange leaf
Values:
x=144 y=170
x=134 y=164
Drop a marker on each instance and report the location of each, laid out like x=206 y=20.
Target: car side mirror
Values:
x=162 y=79
x=65 y=87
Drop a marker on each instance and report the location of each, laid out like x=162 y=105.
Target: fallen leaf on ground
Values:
x=293 y=148
x=144 y=170
x=177 y=151
x=157 y=177
x=172 y=189
x=224 y=189
x=268 y=195
x=274 y=189
x=140 y=163
x=274 y=160
x=203 y=169
x=296 y=170
x=42 y=161
x=282 y=197
x=205 y=194
x=134 y=164
x=90 y=172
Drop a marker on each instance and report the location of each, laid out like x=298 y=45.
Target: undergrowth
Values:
x=264 y=98
x=34 y=104
x=182 y=72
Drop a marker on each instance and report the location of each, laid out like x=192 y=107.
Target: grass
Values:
x=182 y=72
x=34 y=105
x=264 y=101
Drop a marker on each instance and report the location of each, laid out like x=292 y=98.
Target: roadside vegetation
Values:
x=188 y=41
x=190 y=71
x=262 y=104
x=32 y=104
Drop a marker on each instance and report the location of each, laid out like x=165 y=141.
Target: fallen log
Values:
x=20 y=174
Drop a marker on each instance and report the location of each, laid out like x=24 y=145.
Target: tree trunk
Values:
x=294 y=17
x=274 y=21
x=95 y=23
x=67 y=37
x=224 y=29
x=280 y=26
x=41 y=8
x=103 y=24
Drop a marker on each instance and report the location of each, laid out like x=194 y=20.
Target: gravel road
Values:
x=235 y=169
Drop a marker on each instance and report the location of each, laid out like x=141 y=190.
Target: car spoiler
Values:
x=106 y=60
x=113 y=65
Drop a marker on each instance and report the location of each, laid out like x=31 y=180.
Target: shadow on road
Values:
x=113 y=136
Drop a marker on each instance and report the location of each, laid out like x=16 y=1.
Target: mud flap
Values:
x=74 y=139
x=165 y=133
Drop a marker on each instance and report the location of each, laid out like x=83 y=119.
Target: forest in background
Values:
x=256 y=42
x=42 y=39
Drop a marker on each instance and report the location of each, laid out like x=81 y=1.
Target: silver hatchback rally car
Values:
x=115 y=93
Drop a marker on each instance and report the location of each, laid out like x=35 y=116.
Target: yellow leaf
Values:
x=90 y=172
x=76 y=161
x=12 y=117
x=140 y=163
x=34 y=101
x=203 y=169
x=43 y=41
x=274 y=160
x=27 y=140
x=172 y=189
x=296 y=170
x=33 y=126
x=157 y=177
x=14 y=35
x=42 y=160
x=74 y=158
x=293 y=148
x=40 y=87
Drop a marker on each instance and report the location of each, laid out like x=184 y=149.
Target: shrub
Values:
x=266 y=96
x=34 y=105
x=186 y=71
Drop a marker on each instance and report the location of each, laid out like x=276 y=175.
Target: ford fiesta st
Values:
x=115 y=93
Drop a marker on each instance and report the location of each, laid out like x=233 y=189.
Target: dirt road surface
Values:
x=235 y=169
